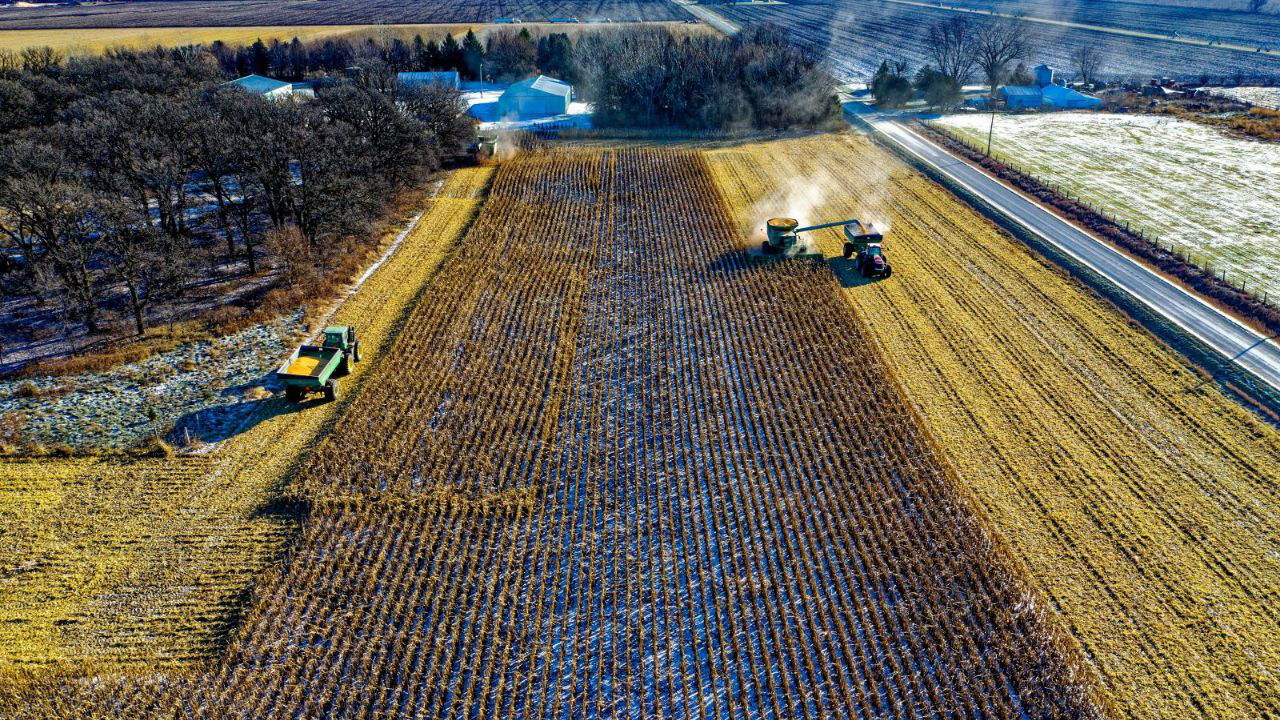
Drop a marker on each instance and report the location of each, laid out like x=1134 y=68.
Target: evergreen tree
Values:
x=434 y=58
x=451 y=54
x=472 y=55
x=420 y=54
x=260 y=58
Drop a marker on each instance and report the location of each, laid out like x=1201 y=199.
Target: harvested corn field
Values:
x=1143 y=501
x=141 y=562
x=613 y=468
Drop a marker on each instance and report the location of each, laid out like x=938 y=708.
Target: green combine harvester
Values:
x=315 y=368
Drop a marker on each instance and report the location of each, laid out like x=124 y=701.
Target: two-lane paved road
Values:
x=1242 y=345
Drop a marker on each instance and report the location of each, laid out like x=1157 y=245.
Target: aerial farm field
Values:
x=118 y=562
x=198 y=13
x=1142 y=500
x=1216 y=195
x=856 y=35
x=95 y=40
x=87 y=41
x=614 y=465
x=1221 y=25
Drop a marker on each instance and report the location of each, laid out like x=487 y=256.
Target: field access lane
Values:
x=1242 y=345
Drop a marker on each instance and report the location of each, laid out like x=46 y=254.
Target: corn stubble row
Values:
x=1142 y=500
x=613 y=467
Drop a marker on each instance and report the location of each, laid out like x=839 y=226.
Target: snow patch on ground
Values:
x=205 y=385
x=1268 y=97
x=1190 y=184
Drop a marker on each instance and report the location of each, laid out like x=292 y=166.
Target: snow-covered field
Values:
x=1190 y=184
x=1261 y=96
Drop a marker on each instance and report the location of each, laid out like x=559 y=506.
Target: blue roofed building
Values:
x=1045 y=95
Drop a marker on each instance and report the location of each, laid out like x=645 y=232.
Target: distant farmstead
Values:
x=536 y=97
x=273 y=89
x=1045 y=95
x=449 y=79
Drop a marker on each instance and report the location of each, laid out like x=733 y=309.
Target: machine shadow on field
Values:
x=222 y=422
x=846 y=272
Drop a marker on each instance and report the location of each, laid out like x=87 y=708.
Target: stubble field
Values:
x=118 y=563
x=613 y=467
x=854 y=36
x=200 y=13
x=1143 y=501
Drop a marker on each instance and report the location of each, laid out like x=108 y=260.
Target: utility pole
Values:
x=992 y=130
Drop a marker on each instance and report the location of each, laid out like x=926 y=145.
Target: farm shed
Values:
x=1046 y=94
x=1057 y=97
x=1020 y=97
x=536 y=97
x=273 y=89
x=448 y=79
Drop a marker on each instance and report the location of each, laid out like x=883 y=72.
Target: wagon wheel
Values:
x=355 y=351
x=848 y=250
x=331 y=390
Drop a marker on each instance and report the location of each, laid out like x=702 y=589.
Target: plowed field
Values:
x=1144 y=502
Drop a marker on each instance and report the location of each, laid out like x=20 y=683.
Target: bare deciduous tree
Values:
x=951 y=46
x=1087 y=60
x=998 y=43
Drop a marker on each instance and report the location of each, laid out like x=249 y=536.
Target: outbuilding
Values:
x=1020 y=97
x=273 y=89
x=449 y=79
x=1046 y=94
x=539 y=96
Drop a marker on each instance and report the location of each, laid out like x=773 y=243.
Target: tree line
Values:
x=503 y=57
x=125 y=179
x=649 y=77
x=960 y=48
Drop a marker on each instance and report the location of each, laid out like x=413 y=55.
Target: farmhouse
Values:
x=273 y=89
x=536 y=97
x=449 y=79
x=1045 y=94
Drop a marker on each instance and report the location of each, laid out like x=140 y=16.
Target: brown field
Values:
x=609 y=466
x=90 y=41
x=613 y=464
x=1144 y=501
x=137 y=562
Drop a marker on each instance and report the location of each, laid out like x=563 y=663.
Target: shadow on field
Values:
x=223 y=422
x=846 y=271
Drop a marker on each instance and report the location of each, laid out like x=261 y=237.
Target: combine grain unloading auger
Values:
x=864 y=240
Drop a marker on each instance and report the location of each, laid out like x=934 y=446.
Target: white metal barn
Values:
x=273 y=89
x=536 y=97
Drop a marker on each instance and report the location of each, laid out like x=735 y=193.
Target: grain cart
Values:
x=868 y=244
x=315 y=368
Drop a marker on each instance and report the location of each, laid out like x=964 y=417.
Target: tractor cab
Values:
x=339 y=337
